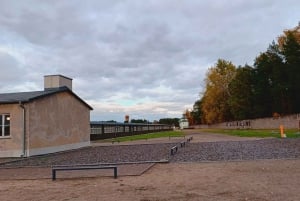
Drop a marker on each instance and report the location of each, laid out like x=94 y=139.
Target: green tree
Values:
x=241 y=94
x=271 y=86
x=277 y=74
x=144 y=121
x=271 y=83
x=291 y=53
x=262 y=86
x=215 y=105
x=197 y=112
x=170 y=121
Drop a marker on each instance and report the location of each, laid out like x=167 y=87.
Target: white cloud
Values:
x=145 y=59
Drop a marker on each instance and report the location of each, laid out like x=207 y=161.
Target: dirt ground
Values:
x=262 y=180
x=36 y=173
x=250 y=180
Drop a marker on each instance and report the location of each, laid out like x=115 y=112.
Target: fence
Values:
x=105 y=130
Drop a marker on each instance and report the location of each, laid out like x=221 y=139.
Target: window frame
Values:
x=4 y=124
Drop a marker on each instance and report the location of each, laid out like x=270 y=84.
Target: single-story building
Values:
x=41 y=122
x=183 y=123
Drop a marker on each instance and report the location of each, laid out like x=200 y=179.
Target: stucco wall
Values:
x=56 y=123
x=289 y=122
x=12 y=146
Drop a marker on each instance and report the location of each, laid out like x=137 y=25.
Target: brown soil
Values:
x=34 y=173
x=251 y=180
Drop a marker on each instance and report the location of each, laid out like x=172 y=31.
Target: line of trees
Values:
x=270 y=87
x=170 y=121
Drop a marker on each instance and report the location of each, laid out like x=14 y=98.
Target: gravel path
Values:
x=192 y=152
x=98 y=154
x=239 y=150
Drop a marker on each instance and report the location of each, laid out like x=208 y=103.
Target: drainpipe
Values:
x=23 y=129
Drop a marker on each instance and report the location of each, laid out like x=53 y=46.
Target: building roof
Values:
x=24 y=97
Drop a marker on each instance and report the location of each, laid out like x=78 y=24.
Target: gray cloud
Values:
x=11 y=66
x=147 y=59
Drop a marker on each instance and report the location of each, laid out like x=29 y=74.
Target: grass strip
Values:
x=262 y=133
x=147 y=136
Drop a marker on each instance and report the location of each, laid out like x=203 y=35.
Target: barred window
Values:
x=4 y=125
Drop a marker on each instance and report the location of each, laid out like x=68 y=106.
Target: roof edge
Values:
x=50 y=91
x=58 y=75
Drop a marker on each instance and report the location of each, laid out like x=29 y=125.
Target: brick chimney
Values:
x=56 y=81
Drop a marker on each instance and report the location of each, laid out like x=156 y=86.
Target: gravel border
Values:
x=192 y=152
x=120 y=154
x=239 y=150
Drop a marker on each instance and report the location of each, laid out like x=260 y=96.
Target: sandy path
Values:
x=252 y=180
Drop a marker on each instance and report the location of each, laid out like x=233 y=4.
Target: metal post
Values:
x=115 y=172
x=53 y=174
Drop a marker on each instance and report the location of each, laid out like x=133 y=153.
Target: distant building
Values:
x=183 y=123
x=41 y=122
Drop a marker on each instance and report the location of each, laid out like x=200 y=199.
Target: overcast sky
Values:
x=147 y=59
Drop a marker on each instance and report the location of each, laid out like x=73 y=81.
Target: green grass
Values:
x=290 y=133
x=146 y=136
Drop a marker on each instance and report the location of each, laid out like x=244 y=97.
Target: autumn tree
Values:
x=188 y=115
x=295 y=32
x=277 y=77
x=215 y=105
x=271 y=86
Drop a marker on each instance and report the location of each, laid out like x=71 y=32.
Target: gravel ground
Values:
x=98 y=154
x=192 y=152
x=239 y=150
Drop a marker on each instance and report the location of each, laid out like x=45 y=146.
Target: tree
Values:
x=270 y=83
x=277 y=77
x=294 y=31
x=291 y=53
x=144 y=121
x=241 y=94
x=270 y=87
x=215 y=106
x=197 y=112
x=170 y=121
x=188 y=115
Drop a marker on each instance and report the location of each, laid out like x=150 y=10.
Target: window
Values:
x=4 y=125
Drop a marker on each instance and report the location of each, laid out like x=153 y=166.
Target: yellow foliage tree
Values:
x=215 y=105
x=294 y=31
x=189 y=117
